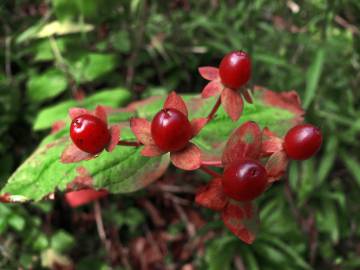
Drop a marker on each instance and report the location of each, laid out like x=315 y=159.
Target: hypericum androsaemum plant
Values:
x=251 y=142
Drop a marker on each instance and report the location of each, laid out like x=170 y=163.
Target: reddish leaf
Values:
x=213 y=88
x=75 y=112
x=85 y=196
x=212 y=195
x=73 y=154
x=174 y=101
x=198 y=124
x=151 y=150
x=142 y=130
x=114 y=137
x=100 y=112
x=241 y=219
x=286 y=100
x=270 y=143
x=232 y=103
x=57 y=126
x=244 y=142
x=209 y=73
x=247 y=96
x=83 y=180
x=276 y=166
x=187 y=159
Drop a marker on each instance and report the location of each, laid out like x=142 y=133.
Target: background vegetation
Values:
x=54 y=52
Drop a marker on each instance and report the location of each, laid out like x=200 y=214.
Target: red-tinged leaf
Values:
x=57 y=126
x=75 y=112
x=114 y=137
x=244 y=142
x=85 y=196
x=270 y=143
x=241 y=219
x=151 y=150
x=100 y=112
x=276 y=166
x=187 y=159
x=197 y=125
x=142 y=130
x=174 y=101
x=83 y=180
x=209 y=73
x=286 y=100
x=247 y=96
x=73 y=154
x=212 y=195
x=213 y=88
x=232 y=103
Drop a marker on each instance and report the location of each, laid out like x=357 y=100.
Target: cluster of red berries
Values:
x=244 y=177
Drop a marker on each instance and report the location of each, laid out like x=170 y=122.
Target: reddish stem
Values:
x=127 y=143
x=214 y=109
x=216 y=163
x=209 y=171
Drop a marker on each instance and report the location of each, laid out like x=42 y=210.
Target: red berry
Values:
x=244 y=180
x=171 y=130
x=235 y=69
x=89 y=133
x=302 y=141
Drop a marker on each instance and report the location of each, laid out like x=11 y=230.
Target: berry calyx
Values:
x=244 y=180
x=302 y=141
x=235 y=69
x=171 y=130
x=89 y=133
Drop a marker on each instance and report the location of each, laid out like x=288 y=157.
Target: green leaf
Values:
x=121 y=171
x=125 y=170
x=220 y=253
x=47 y=85
x=328 y=159
x=352 y=164
x=62 y=241
x=313 y=77
x=108 y=97
x=91 y=66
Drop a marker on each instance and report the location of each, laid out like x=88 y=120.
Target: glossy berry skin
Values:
x=235 y=69
x=89 y=133
x=244 y=180
x=302 y=141
x=171 y=130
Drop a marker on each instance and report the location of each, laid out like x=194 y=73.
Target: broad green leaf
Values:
x=125 y=170
x=313 y=77
x=47 y=85
x=278 y=119
x=108 y=97
x=91 y=66
x=121 y=171
x=62 y=241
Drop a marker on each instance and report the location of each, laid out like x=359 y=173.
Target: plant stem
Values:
x=128 y=143
x=209 y=171
x=214 y=109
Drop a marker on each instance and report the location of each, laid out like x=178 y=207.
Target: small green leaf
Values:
x=90 y=66
x=62 y=241
x=47 y=85
x=63 y=28
x=313 y=77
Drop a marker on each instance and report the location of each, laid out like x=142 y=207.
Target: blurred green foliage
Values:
x=55 y=50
